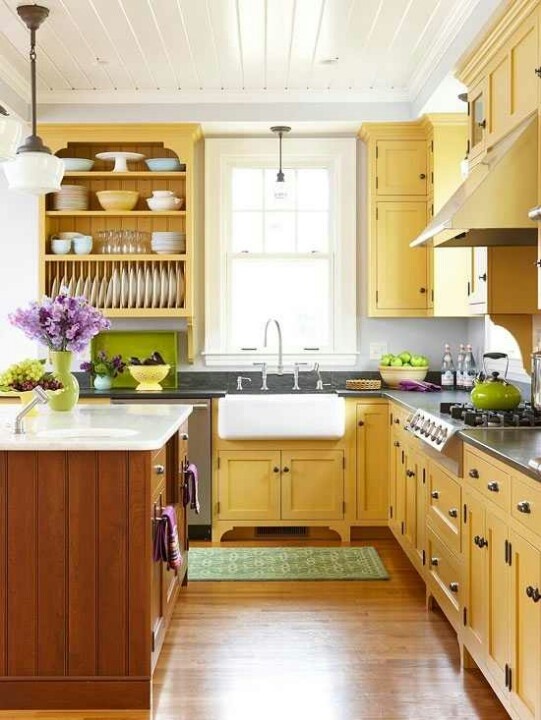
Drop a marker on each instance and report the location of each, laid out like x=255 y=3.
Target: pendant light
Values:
x=11 y=132
x=35 y=170
x=280 y=185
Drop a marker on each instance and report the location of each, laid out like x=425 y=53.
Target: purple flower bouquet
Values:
x=61 y=323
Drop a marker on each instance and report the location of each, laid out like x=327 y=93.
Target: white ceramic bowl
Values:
x=60 y=247
x=164 y=203
x=77 y=164
x=392 y=376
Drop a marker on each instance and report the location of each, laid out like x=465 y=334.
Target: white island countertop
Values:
x=94 y=427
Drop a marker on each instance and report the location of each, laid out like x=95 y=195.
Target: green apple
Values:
x=396 y=362
x=416 y=360
x=386 y=359
x=405 y=356
x=424 y=361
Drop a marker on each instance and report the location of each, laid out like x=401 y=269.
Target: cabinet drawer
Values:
x=158 y=470
x=444 y=504
x=399 y=419
x=444 y=572
x=490 y=480
x=526 y=504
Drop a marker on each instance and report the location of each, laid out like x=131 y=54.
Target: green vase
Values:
x=66 y=400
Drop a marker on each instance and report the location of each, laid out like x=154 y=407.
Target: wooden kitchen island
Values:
x=83 y=607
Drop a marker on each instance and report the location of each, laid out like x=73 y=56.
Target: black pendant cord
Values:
x=280 y=176
x=33 y=82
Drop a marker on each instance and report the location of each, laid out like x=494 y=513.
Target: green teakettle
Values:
x=494 y=392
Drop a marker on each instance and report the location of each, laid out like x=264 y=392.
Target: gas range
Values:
x=437 y=431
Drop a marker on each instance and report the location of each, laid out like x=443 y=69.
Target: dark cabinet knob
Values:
x=493 y=487
x=533 y=593
x=483 y=277
x=396 y=443
x=410 y=473
x=524 y=507
x=480 y=541
x=453 y=512
x=474 y=473
x=397 y=421
x=422 y=290
x=360 y=423
x=184 y=436
x=482 y=124
x=537 y=71
x=434 y=494
x=434 y=561
x=276 y=469
x=159 y=469
x=453 y=587
x=286 y=469
x=422 y=176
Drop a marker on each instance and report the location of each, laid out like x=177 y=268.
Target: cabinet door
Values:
x=477 y=119
x=478 y=294
x=396 y=465
x=416 y=506
x=497 y=535
x=372 y=462
x=475 y=560
x=249 y=485
x=401 y=271
x=523 y=61
x=401 y=167
x=525 y=628
x=499 y=85
x=313 y=485
x=410 y=506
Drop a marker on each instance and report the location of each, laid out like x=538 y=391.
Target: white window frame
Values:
x=338 y=155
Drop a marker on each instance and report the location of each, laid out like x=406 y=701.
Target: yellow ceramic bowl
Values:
x=392 y=376
x=149 y=377
x=117 y=199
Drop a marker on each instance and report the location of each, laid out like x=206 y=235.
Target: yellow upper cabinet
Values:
x=500 y=74
x=401 y=167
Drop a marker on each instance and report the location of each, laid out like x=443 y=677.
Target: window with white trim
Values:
x=292 y=259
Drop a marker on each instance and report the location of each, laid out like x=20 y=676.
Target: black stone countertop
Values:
x=511 y=446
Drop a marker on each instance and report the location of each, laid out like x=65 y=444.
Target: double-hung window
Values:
x=288 y=258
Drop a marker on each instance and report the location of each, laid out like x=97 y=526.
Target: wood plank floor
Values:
x=318 y=650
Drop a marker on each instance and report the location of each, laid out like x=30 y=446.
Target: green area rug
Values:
x=286 y=563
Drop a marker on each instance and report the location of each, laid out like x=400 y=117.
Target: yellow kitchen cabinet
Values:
x=477 y=101
x=312 y=485
x=372 y=462
x=503 y=280
x=401 y=272
x=249 y=485
x=401 y=167
x=475 y=576
x=497 y=578
x=524 y=673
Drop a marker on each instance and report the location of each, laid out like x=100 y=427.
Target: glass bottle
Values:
x=447 y=368
x=470 y=368
x=460 y=366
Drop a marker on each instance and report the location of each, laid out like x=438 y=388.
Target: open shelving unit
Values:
x=130 y=296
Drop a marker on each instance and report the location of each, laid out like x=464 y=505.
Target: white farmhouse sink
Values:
x=85 y=433
x=247 y=417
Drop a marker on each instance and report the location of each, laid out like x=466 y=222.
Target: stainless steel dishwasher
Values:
x=199 y=446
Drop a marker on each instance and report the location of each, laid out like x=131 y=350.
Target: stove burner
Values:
x=522 y=416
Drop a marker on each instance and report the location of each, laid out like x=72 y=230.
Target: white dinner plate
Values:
x=140 y=288
x=155 y=288
x=148 y=288
x=172 y=288
x=104 y=289
x=71 y=284
x=109 y=297
x=180 y=288
x=95 y=292
x=132 y=288
x=86 y=287
x=54 y=287
x=124 y=289
x=79 y=287
x=115 y=281
x=164 y=288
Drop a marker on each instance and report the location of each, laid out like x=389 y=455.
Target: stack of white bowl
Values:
x=71 y=197
x=168 y=243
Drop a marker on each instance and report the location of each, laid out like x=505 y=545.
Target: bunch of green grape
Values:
x=22 y=375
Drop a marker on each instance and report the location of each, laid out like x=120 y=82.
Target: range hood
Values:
x=491 y=206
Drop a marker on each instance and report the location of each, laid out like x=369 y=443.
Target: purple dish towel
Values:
x=166 y=544
x=418 y=385
x=191 y=487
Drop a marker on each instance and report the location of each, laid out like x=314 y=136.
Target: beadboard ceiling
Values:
x=160 y=51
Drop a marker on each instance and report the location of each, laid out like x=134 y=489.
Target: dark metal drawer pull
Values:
x=474 y=473
x=434 y=561
x=524 y=507
x=410 y=473
x=396 y=443
x=434 y=494
x=453 y=512
x=453 y=587
x=480 y=541
x=276 y=469
x=184 y=436
x=159 y=469
x=533 y=593
x=493 y=487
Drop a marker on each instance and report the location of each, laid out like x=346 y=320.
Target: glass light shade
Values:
x=11 y=131
x=280 y=190
x=36 y=173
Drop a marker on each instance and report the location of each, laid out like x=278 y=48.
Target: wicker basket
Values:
x=363 y=384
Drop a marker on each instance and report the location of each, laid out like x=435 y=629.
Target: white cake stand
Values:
x=121 y=159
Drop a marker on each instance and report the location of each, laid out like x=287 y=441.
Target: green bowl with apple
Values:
x=404 y=366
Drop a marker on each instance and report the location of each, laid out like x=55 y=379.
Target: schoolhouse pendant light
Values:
x=280 y=185
x=11 y=132
x=35 y=170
